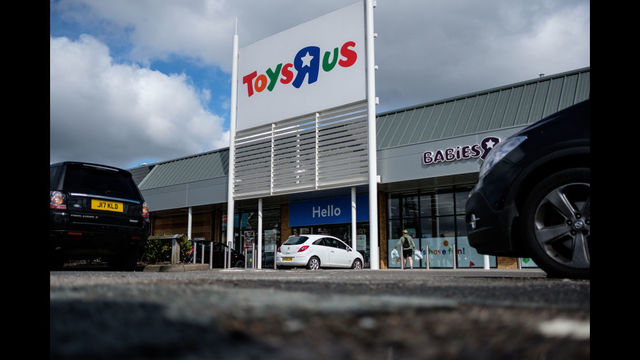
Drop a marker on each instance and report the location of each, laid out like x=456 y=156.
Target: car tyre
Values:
x=314 y=263
x=56 y=262
x=557 y=219
x=357 y=264
x=126 y=261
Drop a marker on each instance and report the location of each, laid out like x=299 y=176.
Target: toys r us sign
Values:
x=311 y=67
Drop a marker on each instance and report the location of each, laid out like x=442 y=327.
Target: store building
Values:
x=427 y=158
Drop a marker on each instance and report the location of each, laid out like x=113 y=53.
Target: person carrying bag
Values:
x=408 y=247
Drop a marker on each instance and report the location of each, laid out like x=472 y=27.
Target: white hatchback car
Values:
x=315 y=251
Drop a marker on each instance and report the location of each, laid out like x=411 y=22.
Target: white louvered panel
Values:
x=252 y=166
x=302 y=154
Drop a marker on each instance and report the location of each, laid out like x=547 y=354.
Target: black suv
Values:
x=95 y=211
x=533 y=196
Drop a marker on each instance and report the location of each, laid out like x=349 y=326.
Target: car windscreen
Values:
x=100 y=181
x=295 y=240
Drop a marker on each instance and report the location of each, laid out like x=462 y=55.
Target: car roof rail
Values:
x=99 y=166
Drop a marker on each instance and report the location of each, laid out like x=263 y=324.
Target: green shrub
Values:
x=157 y=249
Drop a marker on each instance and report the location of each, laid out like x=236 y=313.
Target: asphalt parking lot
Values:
x=338 y=314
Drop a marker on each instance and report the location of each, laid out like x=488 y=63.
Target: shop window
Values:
x=461 y=226
x=468 y=257
x=440 y=251
x=395 y=229
x=394 y=207
x=444 y=227
x=412 y=227
x=444 y=204
x=461 y=200
x=426 y=205
x=246 y=228
x=435 y=220
x=410 y=206
x=362 y=241
x=426 y=225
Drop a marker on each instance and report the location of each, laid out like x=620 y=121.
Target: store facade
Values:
x=428 y=159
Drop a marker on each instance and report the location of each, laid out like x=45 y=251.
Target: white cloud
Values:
x=195 y=29
x=200 y=30
x=441 y=49
x=106 y=112
x=560 y=39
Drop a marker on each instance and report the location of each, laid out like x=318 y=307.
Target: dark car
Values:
x=533 y=195
x=95 y=211
x=219 y=251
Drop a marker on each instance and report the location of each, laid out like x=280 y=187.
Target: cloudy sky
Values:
x=135 y=81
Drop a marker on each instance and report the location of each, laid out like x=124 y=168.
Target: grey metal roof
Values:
x=140 y=172
x=503 y=107
x=498 y=108
x=209 y=165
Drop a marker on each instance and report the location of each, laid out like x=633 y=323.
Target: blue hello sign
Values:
x=328 y=211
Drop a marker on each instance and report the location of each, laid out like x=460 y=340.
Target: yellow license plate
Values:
x=107 y=205
x=287 y=259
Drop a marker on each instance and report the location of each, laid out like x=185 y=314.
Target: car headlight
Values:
x=500 y=151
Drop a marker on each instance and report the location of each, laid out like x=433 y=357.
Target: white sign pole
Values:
x=259 y=256
x=353 y=219
x=374 y=253
x=232 y=140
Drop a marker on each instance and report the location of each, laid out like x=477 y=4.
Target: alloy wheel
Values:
x=357 y=264
x=562 y=224
x=314 y=264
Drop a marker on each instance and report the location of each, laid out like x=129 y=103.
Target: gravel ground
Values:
x=320 y=315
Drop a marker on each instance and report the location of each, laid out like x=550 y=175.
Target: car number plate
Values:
x=115 y=206
x=287 y=259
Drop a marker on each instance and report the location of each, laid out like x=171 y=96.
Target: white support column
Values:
x=259 y=256
x=374 y=250
x=316 y=155
x=232 y=140
x=353 y=218
x=273 y=127
x=189 y=223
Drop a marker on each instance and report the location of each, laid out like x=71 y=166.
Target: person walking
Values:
x=408 y=246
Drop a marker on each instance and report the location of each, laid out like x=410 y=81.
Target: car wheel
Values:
x=56 y=262
x=313 y=264
x=125 y=262
x=557 y=220
x=357 y=264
